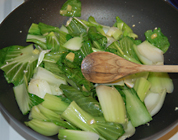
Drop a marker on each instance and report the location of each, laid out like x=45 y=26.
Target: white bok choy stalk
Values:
x=149 y=54
x=160 y=85
x=74 y=43
x=129 y=131
x=112 y=104
x=114 y=32
x=154 y=101
x=160 y=82
x=44 y=82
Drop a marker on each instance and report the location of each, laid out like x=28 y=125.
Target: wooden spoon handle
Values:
x=159 y=68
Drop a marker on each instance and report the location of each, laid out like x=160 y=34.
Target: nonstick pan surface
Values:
x=143 y=14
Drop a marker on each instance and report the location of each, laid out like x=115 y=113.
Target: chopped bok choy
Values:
x=77 y=135
x=49 y=85
x=112 y=104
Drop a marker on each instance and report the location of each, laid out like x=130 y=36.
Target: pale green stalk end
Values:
x=36 y=114
x=142 y=86
x=51 y=115
x=77 y=135
x=136 y=109
x=54 y=103
x=160 y=81
x=112 y=104
x=44 y=128
x=74 y=43
x=78 y=117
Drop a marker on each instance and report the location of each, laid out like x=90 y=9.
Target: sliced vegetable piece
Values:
x=44 y=128
x=130 y=79
x=51 y=115
x=45 y=29
x=17 y=62
x=34 y=29
x=71 y=8
x=125 y=49
x=142 y=87
x=54 y=103
x=108 y=130
x=115 y=33
x=24 y=99
x=154 y=101
x=74 y=43
x=48 y=76
x=88 y=104
x=160 y=81
x=158 y=39
x=129 y=131
x=149 y=54
x=125 y=28
x=76 y=27
x=77 y=135
x=80 y=118
x=99 y=41
x=136 y=109
x=52 y=42
x=36 y=114
x=112 y=104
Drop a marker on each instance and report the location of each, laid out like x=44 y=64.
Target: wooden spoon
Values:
x=105 y=67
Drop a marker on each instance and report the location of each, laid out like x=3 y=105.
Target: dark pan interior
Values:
x=145 y=15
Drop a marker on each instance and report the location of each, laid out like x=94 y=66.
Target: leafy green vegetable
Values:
x=40 y=40
x=108 y=130
x=76 y=27
x=44 y=82
x=34 y=29
x=52 y=42
x=74 y=43
x=45 y=29
x=127 y=31
x=136 y=109
x=71 y=8
x=88 y=104
x=77 y=135
x=53 y=71
x=51 y=115
x=53 y=67
x=86 y=48
x=149 y=54
x=125 y=49
x=54 y=103
x=112 y=104
x=99 y=41
x=160 y=81
x=36 y=114
x=75 y=76
x=141 y=86
x=24 y=99
x=80 y=118
x=17 y=62
x=158 y=39
x=86 y=122
x=44 y=128
x=65 y=124
x=102 y=29
x=53 y=57
x=154 y=101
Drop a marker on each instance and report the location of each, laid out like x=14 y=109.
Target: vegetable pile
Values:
x=50 y=87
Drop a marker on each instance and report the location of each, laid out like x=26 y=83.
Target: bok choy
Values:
x=49 y=85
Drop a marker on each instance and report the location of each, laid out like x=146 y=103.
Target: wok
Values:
x=145 y=15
